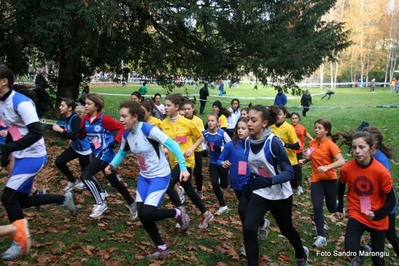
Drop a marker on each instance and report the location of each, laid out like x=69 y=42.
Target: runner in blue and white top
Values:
x=216 y=139
x=25 y=141
x=78 y=148
x=270 y=188
x=99 y=129
x=145 y=141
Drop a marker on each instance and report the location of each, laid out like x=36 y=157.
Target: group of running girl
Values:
x=255 y=150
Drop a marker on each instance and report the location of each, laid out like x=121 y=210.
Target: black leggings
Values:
x=219 y=179
x=84 y=160
x=354 y=231
x=281 y=210
x=188 y=187
x=199 y=179
x=298 y=170
x=391 y=234
x=149 y=215
x=294 y=182
x=14 y=201
x=93 y=168
x=319 y=190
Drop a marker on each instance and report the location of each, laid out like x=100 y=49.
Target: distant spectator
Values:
x=40 y=81
x=143 y=89
x=203 y=94
x=221 y=88
x=329 y=93
x=306 y=102
x=372 y=86
x=281 y=98
x=82 y=99
x=43 y=101
x=393 y=84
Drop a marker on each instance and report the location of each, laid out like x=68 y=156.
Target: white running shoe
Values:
x=183 y=219
x=98 y=210
x=299 y=191
x=222 y=210
x=243 y=252
x=321 y=241
x=69 y=202
x=71 y=185
x=12 y=252
x=133 y=211
x=303 y=261
x=359 y=260
x=263 y=231
x=206 y=218
x=181 y=194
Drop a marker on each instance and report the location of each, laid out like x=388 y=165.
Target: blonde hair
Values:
x=80 y=110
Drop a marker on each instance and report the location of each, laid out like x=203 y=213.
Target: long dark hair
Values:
x=347 y=137
x=267 y=113
x=235 y=137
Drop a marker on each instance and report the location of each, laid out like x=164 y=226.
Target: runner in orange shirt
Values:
x=370 y=200
x=325 y=156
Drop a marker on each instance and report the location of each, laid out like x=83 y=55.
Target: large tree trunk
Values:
x=69 y=79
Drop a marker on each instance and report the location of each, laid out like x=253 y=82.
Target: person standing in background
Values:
x=372 y=87
x=82 y=99
x=203 y=94
x=143 y=89
x=393 y=84
x=281 y=98
x=221 y=88
x=306 y=101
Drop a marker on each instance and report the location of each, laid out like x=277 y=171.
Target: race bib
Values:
x=211 y=144
x=15 y=134
x=181 y=139
x=242 y=168
x=309 y=151
x=263 y=172
x=96 y=143
x=142 y=164
x=365 y=204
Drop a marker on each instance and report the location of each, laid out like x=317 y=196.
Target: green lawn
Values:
x=59 y=239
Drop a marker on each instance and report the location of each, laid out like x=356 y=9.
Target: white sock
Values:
x=163 y=247
x=178 y=212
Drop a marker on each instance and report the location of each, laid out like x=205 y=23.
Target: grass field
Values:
x=59 y=239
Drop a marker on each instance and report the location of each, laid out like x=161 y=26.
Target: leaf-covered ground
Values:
x=59 y=239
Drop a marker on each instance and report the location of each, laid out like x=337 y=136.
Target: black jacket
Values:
x=204 y=93
x=306 y=100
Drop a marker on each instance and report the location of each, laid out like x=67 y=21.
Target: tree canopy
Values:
x=282 y=40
